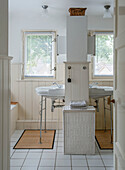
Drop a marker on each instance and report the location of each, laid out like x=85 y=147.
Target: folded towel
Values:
x=78 y=103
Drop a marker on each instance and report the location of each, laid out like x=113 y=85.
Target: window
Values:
x=39 y=54
x=103 y=61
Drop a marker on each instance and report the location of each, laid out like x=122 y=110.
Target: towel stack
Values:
x=77 y=104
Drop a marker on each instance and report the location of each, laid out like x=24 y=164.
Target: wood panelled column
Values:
x=4 y=112
x=4 y=27
x=4 y=87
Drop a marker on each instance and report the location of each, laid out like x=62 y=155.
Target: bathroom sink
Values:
x=51 y=91
x=42 y=90
x=57 y=91
x=100 y=91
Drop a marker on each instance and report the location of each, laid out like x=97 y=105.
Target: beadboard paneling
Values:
x=29 y=108
x=13 y=119
x=15 y=75
x=36 y=101
x=22 y=100
x=29 y=100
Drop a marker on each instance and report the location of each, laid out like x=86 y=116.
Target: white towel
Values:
x=78 y=103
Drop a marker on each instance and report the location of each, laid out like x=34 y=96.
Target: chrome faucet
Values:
x=94 y=83
x=57 y=84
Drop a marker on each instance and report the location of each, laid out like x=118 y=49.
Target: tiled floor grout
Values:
x=24 y=160
x=71 y=161
x=40 y=160
x=87 y=162
x=58 y=150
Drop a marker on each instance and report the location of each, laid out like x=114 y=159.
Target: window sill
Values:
x=38 y=80
x=101 y=79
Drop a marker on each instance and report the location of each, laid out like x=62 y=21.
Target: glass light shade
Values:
x=107 y=14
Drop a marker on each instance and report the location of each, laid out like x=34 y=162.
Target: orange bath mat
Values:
x=104 y=139
x=30 y=139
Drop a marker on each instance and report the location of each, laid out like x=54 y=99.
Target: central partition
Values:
x=76 y=81
x=79 y=122
x=77 y=39
x=76 y=67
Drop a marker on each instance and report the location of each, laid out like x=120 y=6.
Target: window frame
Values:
x=24 y=32
x=92 y=66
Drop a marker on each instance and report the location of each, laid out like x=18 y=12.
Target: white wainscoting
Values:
x=13 y=118
x=23 y=92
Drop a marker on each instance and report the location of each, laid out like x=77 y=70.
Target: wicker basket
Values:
x=77 y=11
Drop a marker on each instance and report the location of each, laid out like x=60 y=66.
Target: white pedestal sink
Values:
x=57 y=91
x=100 y=91
x=51 y=91
x=54 y=92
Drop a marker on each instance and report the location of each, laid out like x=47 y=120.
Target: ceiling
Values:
x=94 y=7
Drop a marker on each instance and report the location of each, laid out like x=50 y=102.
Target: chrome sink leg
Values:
x=45 y=115
x=104 y=115
x=111 y=121
x=41 y=119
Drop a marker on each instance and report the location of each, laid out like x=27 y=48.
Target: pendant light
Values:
x=107 y=13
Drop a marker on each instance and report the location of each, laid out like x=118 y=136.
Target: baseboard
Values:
x=35 y=124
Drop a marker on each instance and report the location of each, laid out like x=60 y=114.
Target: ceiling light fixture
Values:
x=107 y=13
x=44 y=6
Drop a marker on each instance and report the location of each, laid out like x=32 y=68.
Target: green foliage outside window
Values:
x=38 y=47
x=39 y=54
x=103 y=64
x=104 y=47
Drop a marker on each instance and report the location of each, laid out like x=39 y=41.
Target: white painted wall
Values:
x=38 y=21
x=31 y=21
x=98 y=23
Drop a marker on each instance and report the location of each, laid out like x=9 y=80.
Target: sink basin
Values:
x=100 y=91
x=57 y=91
x=54 y=91
x=42 y=90
x=51 y=91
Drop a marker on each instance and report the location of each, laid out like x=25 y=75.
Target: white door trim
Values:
x=120 y=41
x=120 y=154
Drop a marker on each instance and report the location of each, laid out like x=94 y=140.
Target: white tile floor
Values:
x=55 y=159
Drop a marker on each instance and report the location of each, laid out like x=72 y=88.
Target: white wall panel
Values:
x=22 y=101
x=77 y=38
x=75 y=90
x=13 y=119
x=36 y=102
x=29 y=100
x=14 y=83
